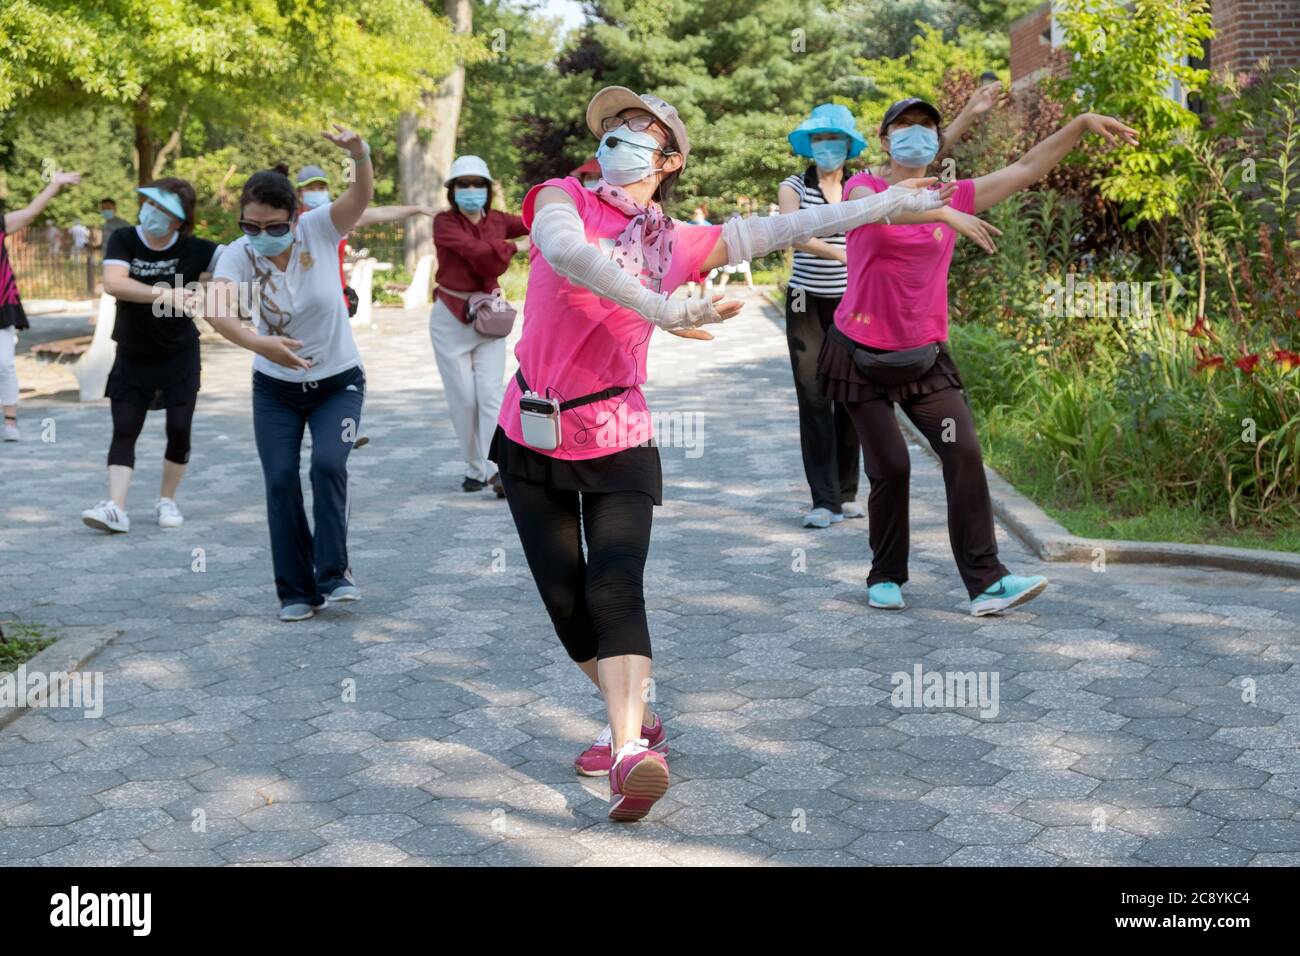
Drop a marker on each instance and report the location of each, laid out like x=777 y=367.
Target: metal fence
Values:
x=385 y=242
x=48 y=267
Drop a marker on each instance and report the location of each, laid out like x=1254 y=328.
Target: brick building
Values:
x=1246 y=31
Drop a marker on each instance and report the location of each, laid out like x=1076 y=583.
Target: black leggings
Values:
x=831 y=456
x=128 y=421
x=596 y=602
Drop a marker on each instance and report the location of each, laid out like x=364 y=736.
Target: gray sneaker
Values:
x=344 y=592
x=821 y=518
x=297 y=612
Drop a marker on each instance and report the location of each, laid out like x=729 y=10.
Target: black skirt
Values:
x=840 y=379
x=155 y=383
x=13 y=316
x=633 y=469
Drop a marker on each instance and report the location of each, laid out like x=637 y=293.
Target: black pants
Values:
x=596 y=601
x=128 y=422
x=826 y=435
x=945 y=420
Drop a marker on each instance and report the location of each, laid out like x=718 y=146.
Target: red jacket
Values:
x=472 y=256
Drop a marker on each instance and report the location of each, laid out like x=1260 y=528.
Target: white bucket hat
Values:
x=469 y=166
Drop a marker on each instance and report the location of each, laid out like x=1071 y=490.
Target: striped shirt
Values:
x=811 y=273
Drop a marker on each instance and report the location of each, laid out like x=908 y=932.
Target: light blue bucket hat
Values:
x=169 y=201
x=827 y=118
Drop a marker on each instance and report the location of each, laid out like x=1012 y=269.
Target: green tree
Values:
x=1131 y=60
x=921 y=71
x=249 y=65
x=500 y=89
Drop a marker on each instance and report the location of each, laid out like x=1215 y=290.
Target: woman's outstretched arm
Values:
x=1039 y=161
x=746 y=239
x=972 y=227
x=21 y=218
x=560 y=237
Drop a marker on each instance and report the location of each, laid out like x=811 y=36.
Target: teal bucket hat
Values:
x=169 y=201
x=827 y=118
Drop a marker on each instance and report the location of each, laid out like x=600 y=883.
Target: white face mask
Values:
x=315 y=198
x=631 y=159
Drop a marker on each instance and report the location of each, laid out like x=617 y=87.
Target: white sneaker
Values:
x=169 y=515
x=11 y=431
x=106 y=516
x=852 y=509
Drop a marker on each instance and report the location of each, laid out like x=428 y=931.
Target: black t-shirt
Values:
x=137 y=330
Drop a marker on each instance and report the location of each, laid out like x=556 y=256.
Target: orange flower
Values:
x=1201 y=330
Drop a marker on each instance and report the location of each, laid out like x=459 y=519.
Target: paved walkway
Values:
x=1121 y=735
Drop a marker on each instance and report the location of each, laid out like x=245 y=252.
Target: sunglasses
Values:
x=275 y=229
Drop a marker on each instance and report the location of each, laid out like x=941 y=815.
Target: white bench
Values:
x=417 y=293
x=362 y=281
x=94 y=365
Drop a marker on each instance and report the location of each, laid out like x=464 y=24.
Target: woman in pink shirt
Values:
x=889 y=347
x=573 y=443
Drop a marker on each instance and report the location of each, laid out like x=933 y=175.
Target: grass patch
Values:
x=21 y=642
x=1021 y=463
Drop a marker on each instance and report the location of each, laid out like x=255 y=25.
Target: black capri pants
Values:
x=128 y=422
x=596 y=601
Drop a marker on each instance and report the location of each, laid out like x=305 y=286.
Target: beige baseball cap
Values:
x=613 y=100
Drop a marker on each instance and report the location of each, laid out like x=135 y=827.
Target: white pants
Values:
x=8 y=371
x=472 y=367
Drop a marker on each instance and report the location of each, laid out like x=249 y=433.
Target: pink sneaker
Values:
x=637 y=779
x=595 y=760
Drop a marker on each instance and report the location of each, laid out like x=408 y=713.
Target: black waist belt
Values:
x=576 y=402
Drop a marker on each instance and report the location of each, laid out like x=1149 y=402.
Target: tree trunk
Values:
x=143 y=140
x=426 y=143
x=172 y=145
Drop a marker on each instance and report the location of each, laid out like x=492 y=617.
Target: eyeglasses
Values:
x=275 y=229
x=637 y=124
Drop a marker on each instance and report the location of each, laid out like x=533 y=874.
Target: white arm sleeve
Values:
x=559 y=236
x=754 y=237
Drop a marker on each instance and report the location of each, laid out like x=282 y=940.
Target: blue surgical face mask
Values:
x=471 y=198
x=830 y=154
x=270 y=246
x=630 y=160
x=154 y=221
x=591 y=184
x=914 y=145
x=108 y=213
x=314 y=198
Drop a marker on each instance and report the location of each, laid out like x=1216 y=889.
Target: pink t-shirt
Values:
x=897 y=295
x=575 y=343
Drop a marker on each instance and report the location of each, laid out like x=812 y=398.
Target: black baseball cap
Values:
x=902 y=106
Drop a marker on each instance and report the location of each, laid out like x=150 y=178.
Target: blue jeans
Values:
x=307 y=567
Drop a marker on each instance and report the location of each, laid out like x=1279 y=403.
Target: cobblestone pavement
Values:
x=1120 y=736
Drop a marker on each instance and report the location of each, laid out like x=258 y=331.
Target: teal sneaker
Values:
x=1012 y=591
x=886 y=595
